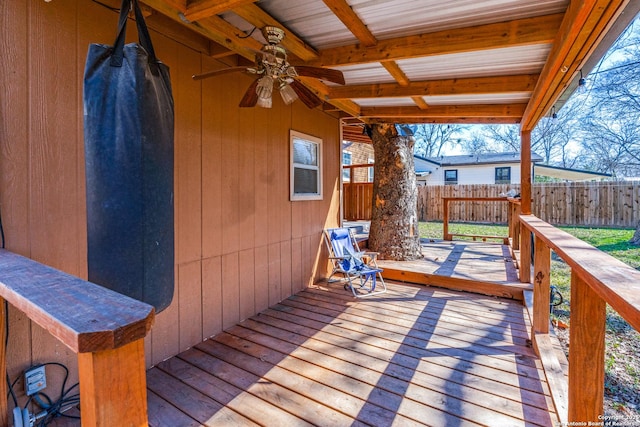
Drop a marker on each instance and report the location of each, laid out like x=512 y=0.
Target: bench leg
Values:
x=113 y=387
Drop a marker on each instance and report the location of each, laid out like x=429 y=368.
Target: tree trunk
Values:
x=394 y=223
x=635 y=240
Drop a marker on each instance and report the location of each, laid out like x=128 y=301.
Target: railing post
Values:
x=113 y=389
x=445 y=219
x=525 y=254
x=516 y=226
x=541 y=286
x=586 y=355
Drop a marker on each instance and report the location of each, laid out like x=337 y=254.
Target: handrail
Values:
x=445 y=216
x=613 y=280
x=596 y=279
x=105 y=328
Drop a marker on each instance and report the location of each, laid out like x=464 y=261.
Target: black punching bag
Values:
x=128 y=132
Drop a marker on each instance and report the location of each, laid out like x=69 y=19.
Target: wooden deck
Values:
x=481 y=267
x=413 y=356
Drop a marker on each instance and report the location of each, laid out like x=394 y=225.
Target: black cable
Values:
x=113 y=9
x=247 y=36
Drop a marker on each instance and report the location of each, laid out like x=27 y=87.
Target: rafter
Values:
x=352 y=21
x=466 y=86
x=538 y=30
x=213 y=28
x=581 y=30
x=259 y=18
x=321 y=90
x=205 y=8
x=504 y=111
x=449 y=120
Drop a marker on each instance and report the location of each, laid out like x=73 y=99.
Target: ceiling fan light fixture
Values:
x=288 y=94
x=264 y=89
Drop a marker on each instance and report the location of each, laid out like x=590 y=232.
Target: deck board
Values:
x=413 y=356
x=481 y=267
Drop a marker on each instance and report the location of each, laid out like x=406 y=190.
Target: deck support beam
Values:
x=107 y=380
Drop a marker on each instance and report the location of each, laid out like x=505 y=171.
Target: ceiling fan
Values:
x=273 y=72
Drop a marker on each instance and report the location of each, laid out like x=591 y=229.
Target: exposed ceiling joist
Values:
x=503 y=111
x=468 y=86
x=197 y=10
x=520 y=32
x=259 y=19
x=352 y=21
x=214 y=28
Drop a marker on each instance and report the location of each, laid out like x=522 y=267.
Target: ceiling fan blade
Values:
x=306 y=96
x=218 y=72
x=250 y=98
x=327 y=74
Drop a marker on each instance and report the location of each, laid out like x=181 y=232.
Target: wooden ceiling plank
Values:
x=197 y=10
x=448 y=111
x=521 y=32
x=352 y=21
x=583 y=27
x=259 y=18
x=463 y=86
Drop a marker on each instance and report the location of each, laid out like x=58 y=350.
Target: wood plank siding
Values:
x=241 y=245
x=413 y=356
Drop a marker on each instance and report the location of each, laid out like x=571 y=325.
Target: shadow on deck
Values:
x=413 y=356
x=480 y=267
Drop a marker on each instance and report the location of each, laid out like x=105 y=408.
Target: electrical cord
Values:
x=51 y=409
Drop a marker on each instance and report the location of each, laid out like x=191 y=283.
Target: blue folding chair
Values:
x=359 y=268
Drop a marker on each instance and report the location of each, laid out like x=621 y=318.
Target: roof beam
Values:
x=321 y=90
x=528 y=31
x=470 y=113
x=197 y=10
x=352 y=21
x=583 y=27
x=292 y=43
x=214 y=28
x=465 y=86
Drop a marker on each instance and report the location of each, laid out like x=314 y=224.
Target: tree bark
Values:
x=394 y=223
x=635 y=240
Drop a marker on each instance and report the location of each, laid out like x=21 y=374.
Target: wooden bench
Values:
x=106 y=330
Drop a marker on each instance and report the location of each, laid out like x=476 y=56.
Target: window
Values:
x=503 y=175
x=306 y=167
x=346 y=161
x=451 y=177
x=370 y=170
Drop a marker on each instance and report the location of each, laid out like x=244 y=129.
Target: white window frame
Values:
x=346 y=172
x=293 y=136
x=370 y=175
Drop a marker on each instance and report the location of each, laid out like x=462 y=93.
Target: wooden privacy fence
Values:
x=615 y=204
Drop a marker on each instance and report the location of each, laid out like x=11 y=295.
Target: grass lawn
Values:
x=622 y=358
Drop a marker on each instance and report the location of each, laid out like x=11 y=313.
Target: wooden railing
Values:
x=104 y=328
x=597 y=279
x=358 y=194
x=445 y=220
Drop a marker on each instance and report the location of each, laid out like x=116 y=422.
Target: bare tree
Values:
x=432 y=140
